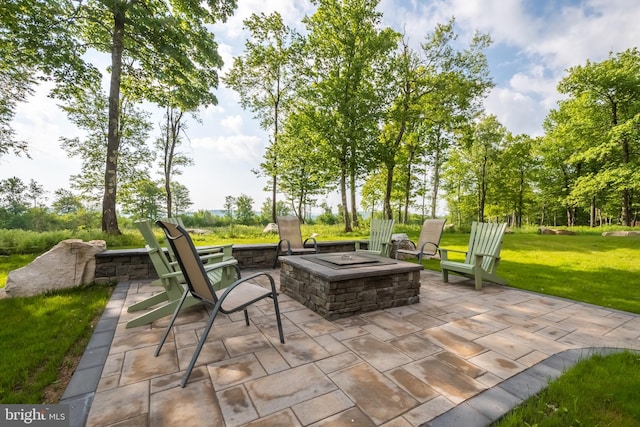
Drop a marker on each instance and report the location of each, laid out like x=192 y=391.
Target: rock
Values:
x=271 y=228
x=621 y=233
x=68 y=264
x=197 y=231
x=544 y=230
x=399 y=237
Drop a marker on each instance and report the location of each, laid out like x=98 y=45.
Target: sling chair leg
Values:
x=173 y=319
x=205 y=334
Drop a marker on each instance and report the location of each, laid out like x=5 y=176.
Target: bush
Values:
x=32 y=242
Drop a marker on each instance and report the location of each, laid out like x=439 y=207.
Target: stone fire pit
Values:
x=343 y=284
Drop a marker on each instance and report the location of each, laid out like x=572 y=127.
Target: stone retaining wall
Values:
x=134 y=264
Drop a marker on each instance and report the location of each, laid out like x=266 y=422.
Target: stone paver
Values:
x=458 y=357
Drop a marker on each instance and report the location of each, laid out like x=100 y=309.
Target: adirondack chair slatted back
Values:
x=380 y=235
x=147 y=232
x=486 y=238
x=170 y=282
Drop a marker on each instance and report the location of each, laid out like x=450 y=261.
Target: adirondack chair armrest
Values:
x=212 y=257
x=176 y=274
x=313 y=240
x=204 y=250
x=227 y=249
x=359 y=242
x=221 y=264
x=489 y=255
x=444 y=253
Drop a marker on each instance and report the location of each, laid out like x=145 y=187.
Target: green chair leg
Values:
x=162 y=311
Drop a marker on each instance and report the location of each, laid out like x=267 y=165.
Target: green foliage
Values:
x=599 y=121
x=32 y=242
x=347 y=48
x=598 y=391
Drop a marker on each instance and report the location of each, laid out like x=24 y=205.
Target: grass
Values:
x=12 y=262
x=40 y=336
x=599 y=391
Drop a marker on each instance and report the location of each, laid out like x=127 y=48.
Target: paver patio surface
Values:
x=458 y=357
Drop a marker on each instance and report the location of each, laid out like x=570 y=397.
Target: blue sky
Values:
x=534 y=43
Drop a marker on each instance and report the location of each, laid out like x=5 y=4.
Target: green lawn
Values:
x=40 y=336
x=599 y=391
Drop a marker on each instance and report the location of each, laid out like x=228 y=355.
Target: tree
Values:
x=181 y=200
x=154 y=45
x=309 y=173
x=142 y=198
x=229 y=207
x=15 y=86
x=37 y=42
x=65 y=202
x=35 y=191
x=173 y=130
x=517 y=167
x=88 y=109
x=346 y=51
x=609 y=91
x=486 y=144
x=282 y=209
x=265 y=77
x=471 y=172
x=13 y=196
x=244 y=210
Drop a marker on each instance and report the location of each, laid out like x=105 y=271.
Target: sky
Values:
x=535 y=42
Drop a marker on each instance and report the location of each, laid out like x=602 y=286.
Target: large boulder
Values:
x=621 y=233
x=68 y=264
x=544 y=230
x=271 y=228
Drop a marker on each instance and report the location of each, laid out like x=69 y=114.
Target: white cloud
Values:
x=232 y=123
x=518 y=112
x=246 y=148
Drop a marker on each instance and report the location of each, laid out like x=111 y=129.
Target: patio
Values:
x=458 y=357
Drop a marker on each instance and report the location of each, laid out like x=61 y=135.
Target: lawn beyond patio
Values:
x=599 y=270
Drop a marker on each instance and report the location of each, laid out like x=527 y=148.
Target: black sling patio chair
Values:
x=238 y=296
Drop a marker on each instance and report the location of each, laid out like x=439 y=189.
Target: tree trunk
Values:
x=109 y=215
x=407 y=188
x=387 y=212
x=354 y=205
x=436 y=181
x=343 y=194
